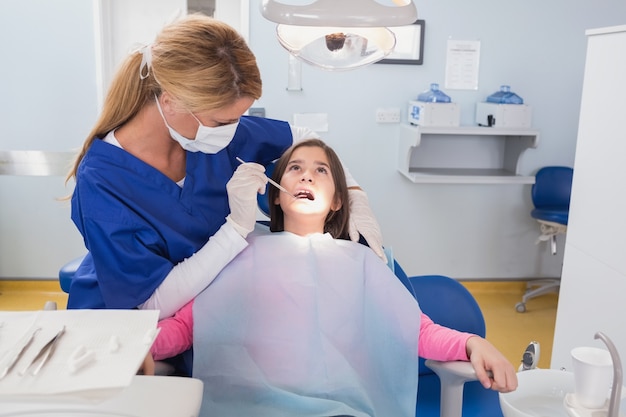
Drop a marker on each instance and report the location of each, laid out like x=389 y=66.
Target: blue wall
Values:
x=49 y=102
x=465 y=231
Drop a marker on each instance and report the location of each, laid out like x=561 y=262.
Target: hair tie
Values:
x=146 y=61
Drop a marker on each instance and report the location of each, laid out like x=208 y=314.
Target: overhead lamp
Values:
x=338 y=34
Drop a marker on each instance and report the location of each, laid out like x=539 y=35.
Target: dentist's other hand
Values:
x=362 y=221
x=248 y=180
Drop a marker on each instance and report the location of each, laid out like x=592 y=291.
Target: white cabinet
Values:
x=464 y=155
x=593 y=282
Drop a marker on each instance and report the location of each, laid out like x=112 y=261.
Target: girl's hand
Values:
x=147 y=367
x=493 y=370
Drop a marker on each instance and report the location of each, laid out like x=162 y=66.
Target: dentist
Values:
x=160 y=199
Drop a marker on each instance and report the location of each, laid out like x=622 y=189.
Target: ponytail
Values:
x=127 y=95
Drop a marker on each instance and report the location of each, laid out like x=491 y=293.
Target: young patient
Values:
x=304 y=322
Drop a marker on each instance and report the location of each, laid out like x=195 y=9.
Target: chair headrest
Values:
x=262 y=199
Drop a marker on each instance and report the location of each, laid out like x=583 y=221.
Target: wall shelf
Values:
x=464 y=155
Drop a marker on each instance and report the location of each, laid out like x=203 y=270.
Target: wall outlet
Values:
x=390 y=115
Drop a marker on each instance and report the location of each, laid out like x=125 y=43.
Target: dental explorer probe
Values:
x=271 y=181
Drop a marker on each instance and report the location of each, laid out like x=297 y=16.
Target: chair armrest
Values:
x=452 y=375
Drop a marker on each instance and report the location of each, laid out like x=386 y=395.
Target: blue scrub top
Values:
x=138 y=224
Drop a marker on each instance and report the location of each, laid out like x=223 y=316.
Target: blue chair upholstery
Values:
x=551 y=194
x=67 y=271
x=262 y=199
x=449 y=303
x=551 y=197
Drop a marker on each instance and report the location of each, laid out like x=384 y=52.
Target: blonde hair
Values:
x=201 y=62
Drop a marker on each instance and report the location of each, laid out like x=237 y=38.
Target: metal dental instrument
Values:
x=18 y=353
x=271 y=181
x=44 y=354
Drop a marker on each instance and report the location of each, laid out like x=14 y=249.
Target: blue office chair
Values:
x=450 y=389
x=551 y=196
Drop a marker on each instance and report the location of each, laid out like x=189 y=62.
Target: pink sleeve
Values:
x=176 y=335
x=441 y=343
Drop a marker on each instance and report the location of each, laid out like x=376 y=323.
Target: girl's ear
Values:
x=336 y=204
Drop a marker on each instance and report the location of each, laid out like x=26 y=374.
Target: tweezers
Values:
x=18 y=353
x=44 y=354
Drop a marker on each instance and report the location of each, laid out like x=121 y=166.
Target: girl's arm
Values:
x=441 y=343
x=176 y=335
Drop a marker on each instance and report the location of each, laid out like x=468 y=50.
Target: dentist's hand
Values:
x=362 y=221
x=248 y=180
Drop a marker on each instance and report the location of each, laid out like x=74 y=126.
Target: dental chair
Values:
x=445 y=389
x=550 y=196
x=445 y=301
x=450 y=389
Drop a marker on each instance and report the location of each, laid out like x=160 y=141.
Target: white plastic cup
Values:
x=593 y=375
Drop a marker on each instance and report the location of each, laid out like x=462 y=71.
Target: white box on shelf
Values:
x=504 y=115
x=421 y=113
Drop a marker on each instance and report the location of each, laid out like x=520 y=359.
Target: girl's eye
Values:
x=322 y=170
x=294 y=168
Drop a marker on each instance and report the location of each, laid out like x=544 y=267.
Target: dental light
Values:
x=338 y=34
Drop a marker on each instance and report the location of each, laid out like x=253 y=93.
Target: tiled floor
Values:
x=507 y=329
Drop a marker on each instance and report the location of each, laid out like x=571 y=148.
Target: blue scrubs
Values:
x=138 y=224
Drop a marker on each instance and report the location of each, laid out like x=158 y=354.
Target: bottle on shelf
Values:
x=504 y=109
x=505 y=96
x=433 y=107
x=434 y=95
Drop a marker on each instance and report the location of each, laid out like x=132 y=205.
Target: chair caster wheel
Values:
x=520 y=307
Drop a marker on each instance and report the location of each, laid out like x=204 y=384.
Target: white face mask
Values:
x=208 y=139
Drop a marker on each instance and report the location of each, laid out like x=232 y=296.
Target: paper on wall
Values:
x=462 y=63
